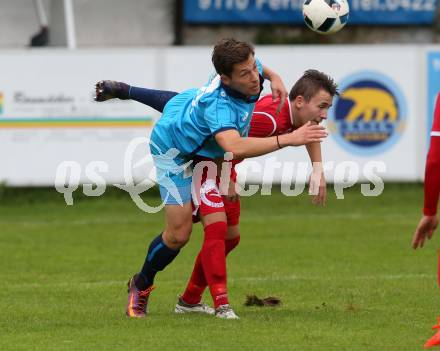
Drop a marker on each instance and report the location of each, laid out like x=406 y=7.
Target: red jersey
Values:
x=432 y=169
x=265 y=122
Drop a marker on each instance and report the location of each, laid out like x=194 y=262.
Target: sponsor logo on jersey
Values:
x=369 y=115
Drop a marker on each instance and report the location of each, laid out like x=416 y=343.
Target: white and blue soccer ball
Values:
x=326 y=16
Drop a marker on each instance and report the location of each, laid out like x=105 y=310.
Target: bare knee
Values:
x=177 y=236
x=178 y=225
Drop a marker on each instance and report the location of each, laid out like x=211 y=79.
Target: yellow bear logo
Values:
x=367 y=101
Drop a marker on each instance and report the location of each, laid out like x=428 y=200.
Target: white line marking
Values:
x=104 y=283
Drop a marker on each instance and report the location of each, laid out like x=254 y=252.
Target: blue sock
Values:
x=156 y=99
x=158 y=257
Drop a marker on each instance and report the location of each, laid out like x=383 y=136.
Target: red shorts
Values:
x=211 y=201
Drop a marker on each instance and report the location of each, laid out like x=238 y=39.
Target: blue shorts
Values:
x=174 y=174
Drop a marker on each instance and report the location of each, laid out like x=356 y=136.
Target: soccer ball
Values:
x=325 y=16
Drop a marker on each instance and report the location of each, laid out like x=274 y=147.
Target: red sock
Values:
x=214 y=261
x=197 y=283
x=215 y=268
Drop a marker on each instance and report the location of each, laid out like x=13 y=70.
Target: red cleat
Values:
x=137 y=300
x=435 y=339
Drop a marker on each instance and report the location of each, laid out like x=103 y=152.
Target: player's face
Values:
x=244 y=78
x=314 y=110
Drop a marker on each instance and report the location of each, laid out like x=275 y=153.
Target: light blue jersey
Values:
x=192 y=118
x=187 y=128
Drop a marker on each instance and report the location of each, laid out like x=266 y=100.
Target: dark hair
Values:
x=310 y=83
x=227 y=52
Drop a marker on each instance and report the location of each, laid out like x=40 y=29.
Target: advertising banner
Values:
x=377 y=125
x=48 y=116
x=376 y=12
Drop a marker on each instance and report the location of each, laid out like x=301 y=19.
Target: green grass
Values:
x=346 y=275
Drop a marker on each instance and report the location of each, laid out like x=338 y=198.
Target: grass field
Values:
x=346 y=275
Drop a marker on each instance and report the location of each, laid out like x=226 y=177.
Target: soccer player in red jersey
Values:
x=308 y=103
x=429 y=221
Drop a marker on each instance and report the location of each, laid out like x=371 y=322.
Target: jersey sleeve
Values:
x=432 y=178
x=219 y=115
x=262 y=125
x=432 y=169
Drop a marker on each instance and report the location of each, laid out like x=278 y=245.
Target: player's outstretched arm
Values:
x=231 y=141
x=317 y=187
x=279 y=91
x=429 y=221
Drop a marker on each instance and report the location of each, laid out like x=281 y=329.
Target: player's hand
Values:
x=318 y=187
x=279 y=91
x=308 y=133
x=425 y=230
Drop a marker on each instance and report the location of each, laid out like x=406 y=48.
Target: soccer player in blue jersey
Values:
x=205 y=122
